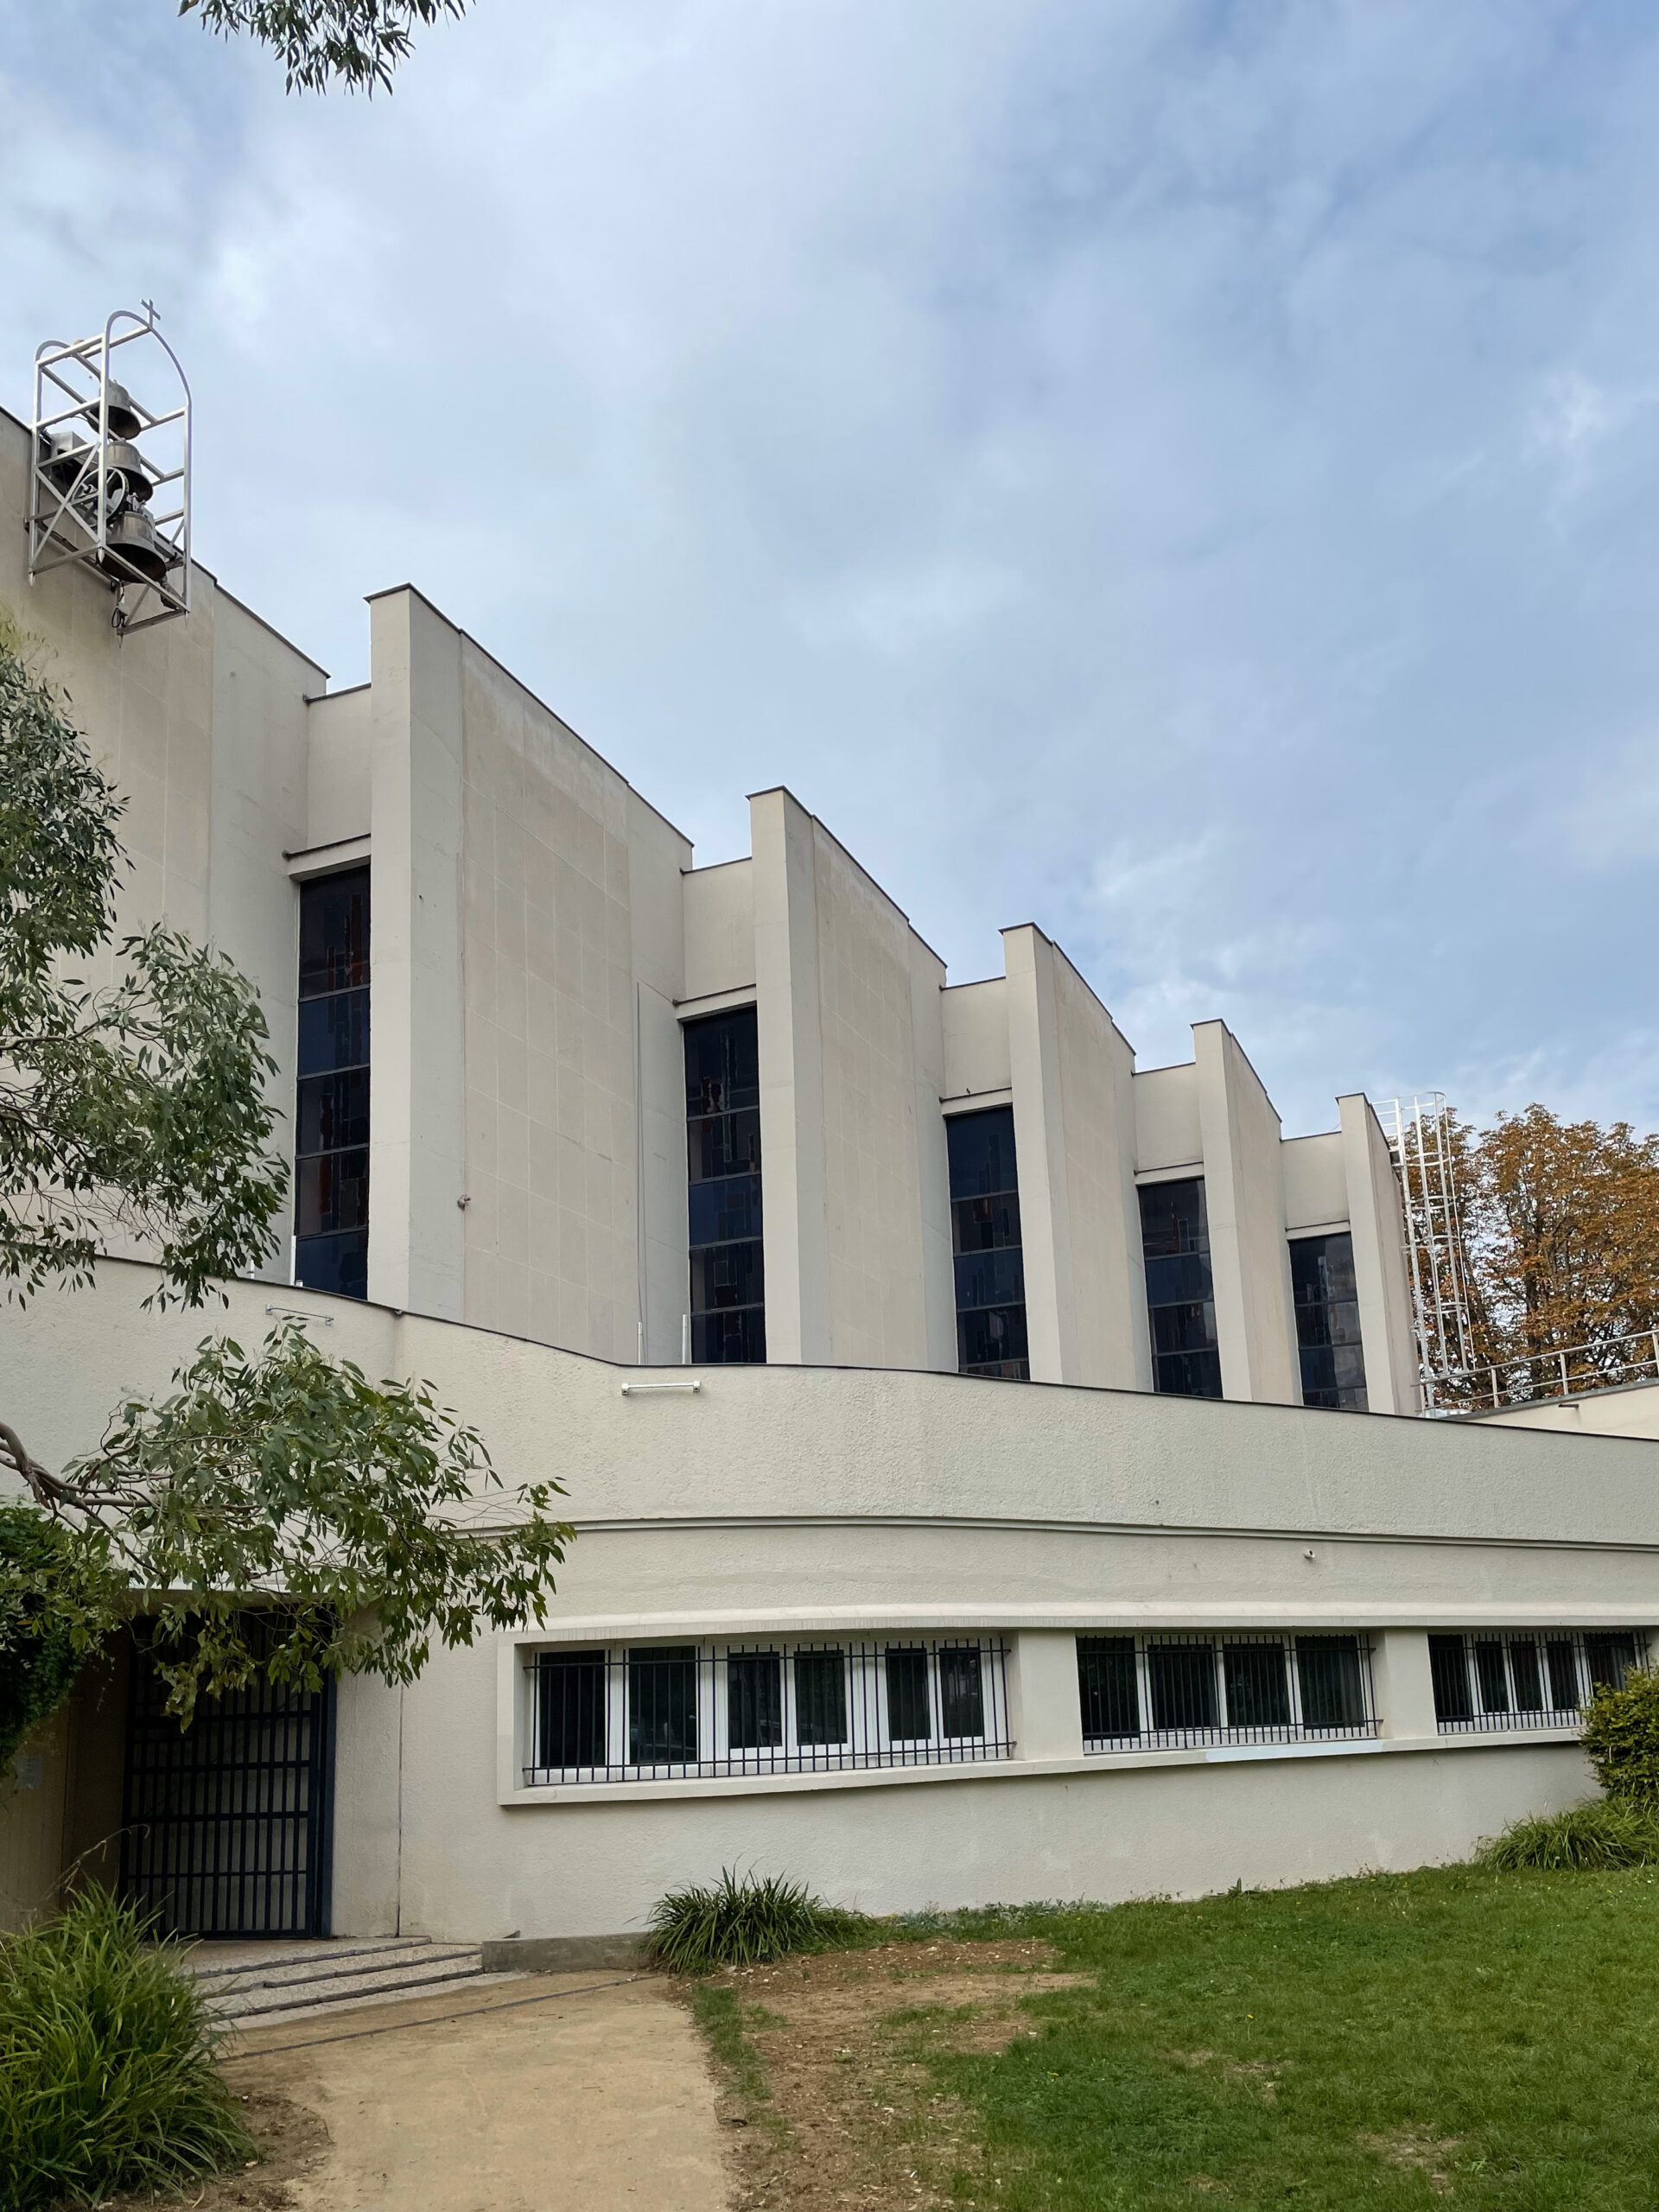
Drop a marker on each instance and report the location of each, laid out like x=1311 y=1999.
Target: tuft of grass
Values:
x=107 y=2079
x=720 y=2016
x=1601 y=1836
x=740 y=1922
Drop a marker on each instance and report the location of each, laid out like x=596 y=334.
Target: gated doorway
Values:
x=226 y=1825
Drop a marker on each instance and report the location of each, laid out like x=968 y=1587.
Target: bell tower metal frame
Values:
x=100 y=455
x=1421 y=1139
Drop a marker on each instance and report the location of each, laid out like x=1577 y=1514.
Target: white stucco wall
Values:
x=571 y=960
x=1046 y=1217
x=1096 y=1069
x=418 y=1168
x=1631 y=1409
x=1168 y=1133
x=976 y=1022
x=1244 y=1194
x=873 y=1196
x=817 y=1501
x=339 y=770
x=1316 y=1187
x=851 y=1059
x=719 y=905
x=1376 y=1215
x=931 y=1083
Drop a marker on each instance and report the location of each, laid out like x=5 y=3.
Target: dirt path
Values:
x=588 y=2100
x=852 y=2123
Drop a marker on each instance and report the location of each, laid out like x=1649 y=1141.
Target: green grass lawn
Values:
x=1454 y=2036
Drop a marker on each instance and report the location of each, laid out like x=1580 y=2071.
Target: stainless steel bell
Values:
x=125 y=419
x=136 y=547
x=125 y=463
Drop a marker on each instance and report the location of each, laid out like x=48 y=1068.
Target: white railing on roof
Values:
x=1569 y=1374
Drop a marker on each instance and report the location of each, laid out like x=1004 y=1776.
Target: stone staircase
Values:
x=250 y=1984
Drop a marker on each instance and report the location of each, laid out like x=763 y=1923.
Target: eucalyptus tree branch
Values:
x=279 y=1514
x=356 y=43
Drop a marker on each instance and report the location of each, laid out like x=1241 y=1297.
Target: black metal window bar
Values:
x=1490 y=1679
x=671 y=1712
x=1158 y=1692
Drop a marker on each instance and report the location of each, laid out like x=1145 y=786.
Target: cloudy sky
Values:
x=1185 y=475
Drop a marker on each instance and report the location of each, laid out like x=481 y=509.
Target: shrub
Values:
x=1604 y=1833
x=106 y=2063
x=39 y=1657
x=741 y=1922
x=1621 y=1738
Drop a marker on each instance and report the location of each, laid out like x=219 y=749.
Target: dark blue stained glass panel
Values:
x=337 y=1263
x=981 y=1147
x=721 y=1145
x=1187 y=1373
x=1181 y=1279
x=332 y=1111
x=334 y=933
x=331 y=1192
x=334 y=1031
x=991 y=1340
x=728 y=1274
x=1183 y=1328
x=985 y=1224
x=734 y=1337
x=1174 y=1217
x=991 y=1278
x=722 y=1064
x=726 y=1209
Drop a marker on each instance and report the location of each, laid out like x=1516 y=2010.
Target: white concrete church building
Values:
x=998 y=1469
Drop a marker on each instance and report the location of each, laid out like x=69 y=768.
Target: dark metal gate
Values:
x=226 y=1825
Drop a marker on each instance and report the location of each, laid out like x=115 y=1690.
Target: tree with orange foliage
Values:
x=1569 y=1213
x=1560 y=1249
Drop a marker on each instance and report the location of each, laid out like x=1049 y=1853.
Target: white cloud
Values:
x=1183 y=474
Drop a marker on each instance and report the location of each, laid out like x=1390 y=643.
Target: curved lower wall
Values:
x=461 y=1864
x=781 y=1502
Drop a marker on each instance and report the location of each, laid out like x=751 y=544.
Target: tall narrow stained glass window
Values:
x=985 y=1240
x=722 y=1133
x=1327 y=1321
x=330 y=1140
x=1180 y=1298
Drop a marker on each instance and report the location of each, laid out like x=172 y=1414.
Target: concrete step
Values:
x=355 y=1966
x=249 y=1961
x=310 y=1979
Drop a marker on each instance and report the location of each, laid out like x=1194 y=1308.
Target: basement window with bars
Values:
x=1158 y=1692
x=677 y=1712
x=1490 y=1679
